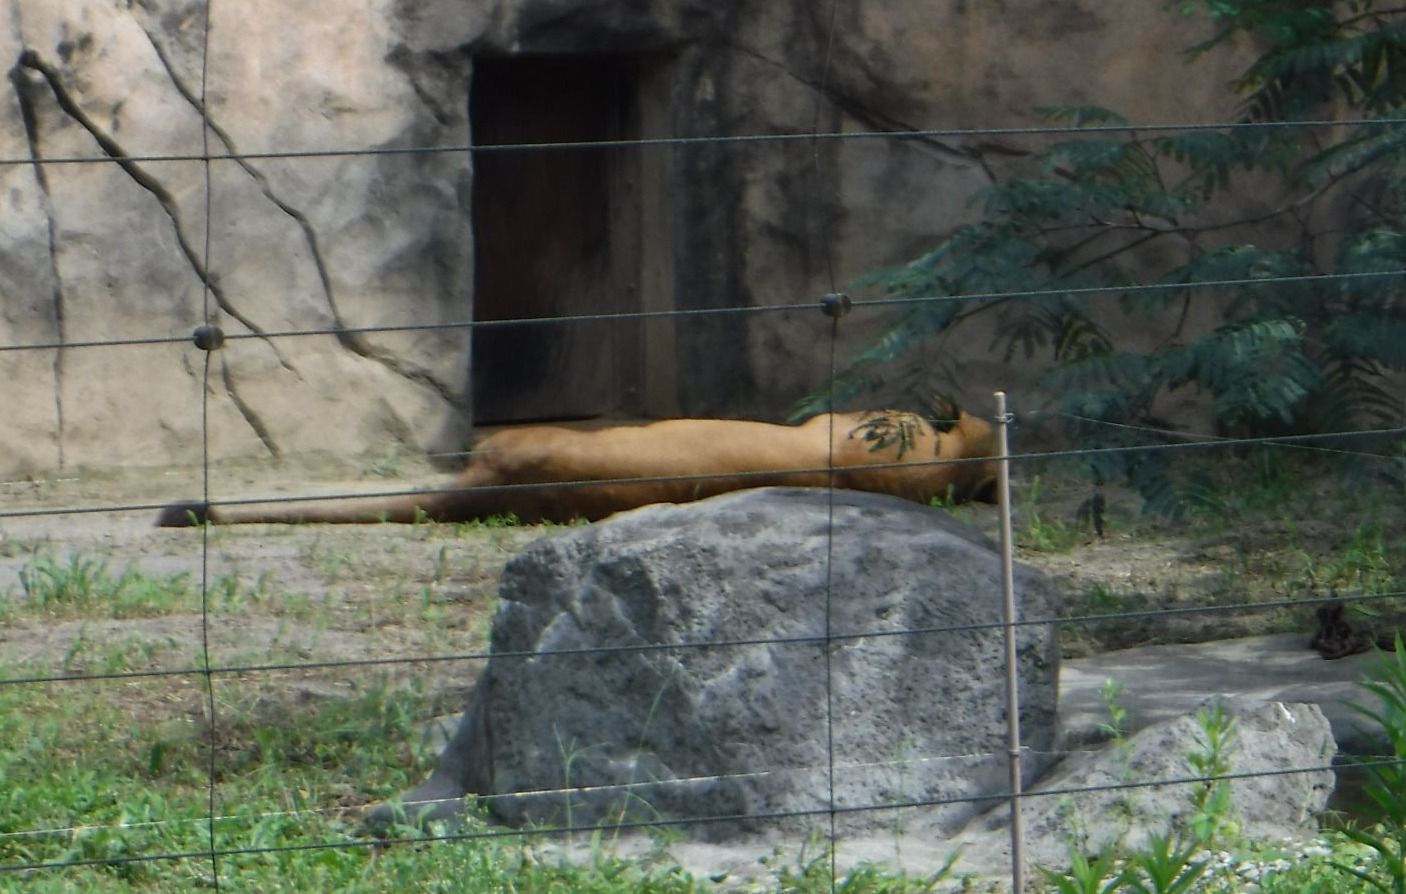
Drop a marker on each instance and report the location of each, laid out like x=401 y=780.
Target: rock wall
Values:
x=283 y=241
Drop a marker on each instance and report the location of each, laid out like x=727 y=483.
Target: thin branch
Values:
x=1099 y=259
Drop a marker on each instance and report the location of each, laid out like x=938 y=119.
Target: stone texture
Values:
x=91 y=252
x=1158 y=683
x=1268 y=737
x=668 y=728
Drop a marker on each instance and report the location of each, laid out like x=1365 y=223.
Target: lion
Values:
x=556 y=473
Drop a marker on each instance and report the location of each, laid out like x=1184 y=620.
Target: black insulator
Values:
x=208 y=337
x=835 y=304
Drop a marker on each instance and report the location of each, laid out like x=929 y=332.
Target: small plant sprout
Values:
x=1116 y=726
x=1211 y=799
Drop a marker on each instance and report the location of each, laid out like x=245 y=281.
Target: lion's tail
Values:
x=400 y=508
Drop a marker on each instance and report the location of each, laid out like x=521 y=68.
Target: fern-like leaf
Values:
x=1377 y=336
x=1366 y=147
x=1255 y=372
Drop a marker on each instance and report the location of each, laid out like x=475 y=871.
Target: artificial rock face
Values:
x=1266 y=737
x=102 y=251
x=692 y=677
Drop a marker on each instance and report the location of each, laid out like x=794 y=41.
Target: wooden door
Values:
x=544 y=245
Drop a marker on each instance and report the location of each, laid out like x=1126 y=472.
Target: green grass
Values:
x=117 y=773
x=81 y=585
x=118 y=778
x=1039 y=531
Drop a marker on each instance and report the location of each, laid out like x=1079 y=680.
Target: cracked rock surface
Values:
x=117 y=249
x=143 y=240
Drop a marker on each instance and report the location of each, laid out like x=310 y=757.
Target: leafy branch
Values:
x=1187 y=213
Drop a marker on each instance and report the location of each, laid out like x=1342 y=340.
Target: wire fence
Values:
x=231 y=834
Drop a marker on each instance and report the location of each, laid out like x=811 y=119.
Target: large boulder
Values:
x=723 y=659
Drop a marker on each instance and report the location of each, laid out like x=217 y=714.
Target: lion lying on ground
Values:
x=555 y=473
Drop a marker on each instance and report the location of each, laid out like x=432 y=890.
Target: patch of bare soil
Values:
x=1222 y=571
x=413 y=603
x=99 y=590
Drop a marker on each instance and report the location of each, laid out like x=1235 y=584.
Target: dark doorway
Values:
x=554 y=236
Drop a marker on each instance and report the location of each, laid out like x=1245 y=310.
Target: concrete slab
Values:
x=1162 y=682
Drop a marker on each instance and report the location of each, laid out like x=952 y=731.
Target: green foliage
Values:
x=1040 y=533
x=1386 y=781
x=82 y=583
x=1211 y=799
x=1085 y=876
x=1116 y=726
x=1167 y=865
x=1258 y=330
x=1363 y=564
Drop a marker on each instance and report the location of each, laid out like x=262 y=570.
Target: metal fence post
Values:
x=1008 y=616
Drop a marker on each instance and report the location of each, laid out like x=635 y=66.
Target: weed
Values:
x=945 y=500
x=48 y=583
x=1211 y=799
x=905 y=753
x=490 y=522
x=229 y=592
x=1105 y=598
x=1085 y=876
x=569 y=753
x=441 y=565
x=1264 y=481
x=12 y=548
x=812 y=873
x=1116 y=726
x=84 y=584
x=1168 y=864
x=1039 y=533
x=1362 y=564
x=133 y=653
x=332 y=564
x=630 y=796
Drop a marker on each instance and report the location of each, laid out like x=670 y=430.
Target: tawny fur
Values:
x=679 y=460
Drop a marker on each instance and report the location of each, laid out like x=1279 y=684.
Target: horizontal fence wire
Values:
x=730 y=310
x=838 y=636
x=1206 y=442
x=979 y=133
x=1186 y=442
x=233 y=819
x=677 y=822
x=1090 y=618
x=565 y=790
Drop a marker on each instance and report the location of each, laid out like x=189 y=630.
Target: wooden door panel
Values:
x=543 y=244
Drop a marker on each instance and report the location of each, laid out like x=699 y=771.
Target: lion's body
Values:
x=592 y=473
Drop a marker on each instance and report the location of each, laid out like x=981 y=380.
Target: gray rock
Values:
x=1269 y=737
x=670 y=663
x=1270 y=809
x=1158 y=683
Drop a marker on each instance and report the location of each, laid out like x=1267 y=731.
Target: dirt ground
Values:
x=274 y=595
x=280 y=595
